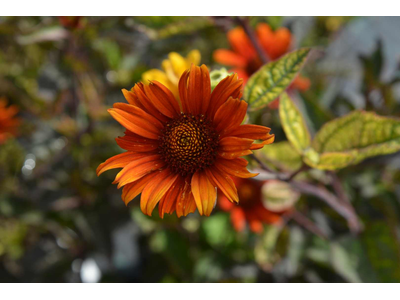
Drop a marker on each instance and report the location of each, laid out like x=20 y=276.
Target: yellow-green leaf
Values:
x=359 y=134
x=273 y=78
x=293 y=124
x=280 y=155
x=329 y=160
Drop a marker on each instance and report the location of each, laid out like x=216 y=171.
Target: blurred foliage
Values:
x=59 y=222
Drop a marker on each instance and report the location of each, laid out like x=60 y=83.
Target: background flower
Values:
x=244 y=58
x=252 y=208
x=173 y=68
x=8 y=121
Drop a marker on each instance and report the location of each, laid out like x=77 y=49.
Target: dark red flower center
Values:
x=189 y=143
x=253 y=65
x=249 y=191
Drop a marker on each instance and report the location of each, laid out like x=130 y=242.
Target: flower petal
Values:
x=224 y=203
x=229 y=58
x=136 y=120
x=238 y=218
x=139 y=168
x=234 y=167
x=242 y=74
x=131 y=190
x=233 y=147
x=193 y=57
x=301 y=83
x=185 y=202
x=223 y=182
x=156 y=189
x=168 y=201
x=230 y=115
x=139 y=90
x=255 y=132
x=275 y=44
x=241 y=43
x=118 y=161
x=185 y=205
x=204 y=193
x=154 y=74
x=230 y=86
x=255 y=224
x=132 y=98
x=163 y=99
x=178 y=63
x=136 y=143
x=268 y=141
x=199 y=90
x=183 y=91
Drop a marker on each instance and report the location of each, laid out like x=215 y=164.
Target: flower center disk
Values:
x=189 y=144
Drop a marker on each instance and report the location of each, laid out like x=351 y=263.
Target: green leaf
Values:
x=381 y=246
x=293 y=124
x=111 y=50
x=273 y=78
x=353 y=138
x=216 y=230
x=344 y=262
x=280 y=155
x=264 y=250
x=328 y=160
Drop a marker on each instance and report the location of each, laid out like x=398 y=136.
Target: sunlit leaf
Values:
x=353 y=138
x=293 y=124
x=281 y=155
x=329 y=160
x=273 y=78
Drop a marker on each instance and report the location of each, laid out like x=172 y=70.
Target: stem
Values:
x=344 y=209
x=304 y=167
x=330 y=199
x=338 y=187
x=246 y=27
x=307 y=224
x=263 y=166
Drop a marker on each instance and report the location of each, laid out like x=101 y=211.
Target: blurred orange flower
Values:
x=251 y=208
x=173 y=68
x=71 y=22
x=8 y=122
x=178 y=155
x=244 y=58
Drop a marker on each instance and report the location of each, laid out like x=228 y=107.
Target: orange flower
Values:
x=8 y=122
x=244 y=58
x=179 y=153
x=251 y=208
x=71 y=22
